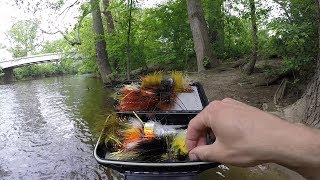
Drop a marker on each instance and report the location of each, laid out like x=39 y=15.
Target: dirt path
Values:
x=232 y=83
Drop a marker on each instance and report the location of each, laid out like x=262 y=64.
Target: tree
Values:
x=202 y=45
x=108 y=15
x=168 y=36
x=54 y=13
x=100 y=43
x=249 y=67
x=130 y=3
x=308 y=107
x=312 y=111
x=23 y=37
x=295 y=36
x=215 y=17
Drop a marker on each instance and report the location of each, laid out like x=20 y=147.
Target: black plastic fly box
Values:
x=186 y=107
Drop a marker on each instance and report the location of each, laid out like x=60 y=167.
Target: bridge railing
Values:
x=30 y=60
x=32 y=56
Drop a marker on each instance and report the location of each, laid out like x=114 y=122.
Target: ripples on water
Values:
x=46 y=129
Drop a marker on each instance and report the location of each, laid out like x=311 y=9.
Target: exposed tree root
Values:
x=280 y=91
x=270 y=80
x=239 y=63
x=295 y=112
x=115 y=79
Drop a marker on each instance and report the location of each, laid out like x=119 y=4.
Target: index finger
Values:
x=197 y=128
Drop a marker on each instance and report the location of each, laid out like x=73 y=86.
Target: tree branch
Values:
x=69 y=40
x=70 y=6
x=286 y=13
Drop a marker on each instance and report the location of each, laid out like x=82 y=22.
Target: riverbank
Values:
x=225 y=81
x=51 y=76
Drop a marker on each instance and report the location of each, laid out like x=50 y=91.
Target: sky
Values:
x=6 y=22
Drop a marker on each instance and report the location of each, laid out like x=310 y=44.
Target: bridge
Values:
x=9 y=65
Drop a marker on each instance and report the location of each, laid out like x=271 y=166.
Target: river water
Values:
x=48 y=129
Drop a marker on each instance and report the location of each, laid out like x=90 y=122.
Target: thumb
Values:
x=205 y=153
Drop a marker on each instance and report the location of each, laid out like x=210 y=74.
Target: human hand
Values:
x=246 y=136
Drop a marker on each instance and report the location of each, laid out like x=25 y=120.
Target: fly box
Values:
x=145 y=138
x=152 y=157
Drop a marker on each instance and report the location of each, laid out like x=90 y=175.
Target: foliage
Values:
x=43 y=70
x=47 y=70
x=162 y=35
x=294 y=38
x=86 y=49
x=215 y=18
x=158 y=35
x=174 y=33
x=238 y=41
x=66 y=66
x=23 y=38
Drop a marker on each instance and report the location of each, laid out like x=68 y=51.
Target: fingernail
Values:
x=193 y=157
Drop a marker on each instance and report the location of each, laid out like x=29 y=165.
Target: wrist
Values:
x=299 y=150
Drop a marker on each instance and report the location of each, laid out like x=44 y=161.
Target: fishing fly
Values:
x=131 y=139
x=152 y=93
x=128 y=137
x=147 y=133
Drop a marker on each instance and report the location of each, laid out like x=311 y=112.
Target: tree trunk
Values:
x=312 y=95
x=307 y=108
x=108 y=15
x=110 y=29
x=128 y=39
x=312 y=112
x=100 y=43
x=215 y=15
x=202 y=45
x=248 y=68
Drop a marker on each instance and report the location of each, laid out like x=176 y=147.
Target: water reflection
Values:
x=45 y=128
x=47 y=131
